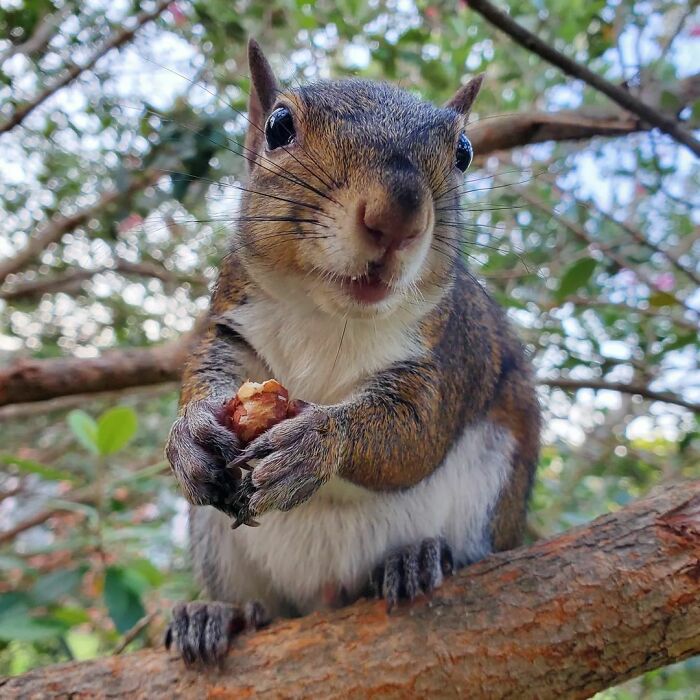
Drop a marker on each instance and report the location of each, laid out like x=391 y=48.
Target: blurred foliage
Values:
x=606 y=304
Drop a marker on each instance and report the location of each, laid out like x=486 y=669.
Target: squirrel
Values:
x=415 y=450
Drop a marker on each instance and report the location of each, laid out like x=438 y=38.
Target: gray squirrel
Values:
x=415 y=450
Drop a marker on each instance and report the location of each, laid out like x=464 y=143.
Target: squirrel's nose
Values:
x=393 y=222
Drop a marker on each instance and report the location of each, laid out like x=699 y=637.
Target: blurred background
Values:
x=120 y=125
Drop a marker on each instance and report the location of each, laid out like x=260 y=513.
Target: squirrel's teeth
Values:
x=354 y=279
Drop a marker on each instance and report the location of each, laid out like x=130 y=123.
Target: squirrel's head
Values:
x=353 y=191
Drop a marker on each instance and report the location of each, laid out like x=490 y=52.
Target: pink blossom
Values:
x=665 y=282
x=129 y=223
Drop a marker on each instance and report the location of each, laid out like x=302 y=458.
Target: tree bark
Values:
x=36 y=380
x=565 y=617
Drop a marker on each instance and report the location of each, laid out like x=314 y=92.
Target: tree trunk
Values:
x=565 y=617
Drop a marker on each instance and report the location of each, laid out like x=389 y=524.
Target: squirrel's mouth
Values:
x=369 y=288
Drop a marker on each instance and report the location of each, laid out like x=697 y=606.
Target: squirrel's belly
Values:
x=337 y=537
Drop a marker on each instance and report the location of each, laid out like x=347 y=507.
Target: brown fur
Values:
x=398 y=428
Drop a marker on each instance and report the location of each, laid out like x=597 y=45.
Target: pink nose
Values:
x=390 y=224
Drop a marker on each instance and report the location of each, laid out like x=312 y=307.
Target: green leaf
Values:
x=17 y=626
x=147 y=571
x=58 y=584
x=122 y=600
x=85 y=429
x=115 y=428
x=575 y=277
x=658 y=299
x=29 y=466
x=12 y=601
x=70 y=615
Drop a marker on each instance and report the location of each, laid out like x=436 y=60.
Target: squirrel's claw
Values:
x=411 y=571
x=202 y=632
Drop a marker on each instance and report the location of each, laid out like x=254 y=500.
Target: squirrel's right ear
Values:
x=464 y=97
x=263 y=92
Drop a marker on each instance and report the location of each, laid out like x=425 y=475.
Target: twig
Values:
x=85 y=496
x=627 y=308
x=41 y=37
x=636 y=235
x=54 y=230
x=626 y=100
x=609 y=251
x=599 y=384
x=72 y=280
x=115 y=41
x=65 y=403
x=134 y=632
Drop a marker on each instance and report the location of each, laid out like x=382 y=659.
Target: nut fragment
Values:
x=256 y=408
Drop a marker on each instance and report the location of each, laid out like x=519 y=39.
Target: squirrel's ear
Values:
x=464 y=97
x=263 y=92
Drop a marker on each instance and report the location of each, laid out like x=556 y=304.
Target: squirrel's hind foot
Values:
x=202 y=632
x=412 y=571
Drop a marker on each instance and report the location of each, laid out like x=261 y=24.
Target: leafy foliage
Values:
x=592 y=246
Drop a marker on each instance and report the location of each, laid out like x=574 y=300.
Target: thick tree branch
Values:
x=626 y=100
x=564 y=618
x=36 y=380
x=503 y=132
x=117 y=39
x=507 y=131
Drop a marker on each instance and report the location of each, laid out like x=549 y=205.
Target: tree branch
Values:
x=609 y=250
x=632 y=232
x=54 y=230
x=575 y=384
x=566 y=617
x=622 y=97
x=44 y=32
x=115 y=41
x=71 y=281
x=36 y=380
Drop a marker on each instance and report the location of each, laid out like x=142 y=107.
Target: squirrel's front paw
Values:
x=202 y=632
x=296 y=457
x=199 y=450
x=411 y=571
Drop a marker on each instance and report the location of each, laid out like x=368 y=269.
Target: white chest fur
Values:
x=338 y=541
x=321 y=358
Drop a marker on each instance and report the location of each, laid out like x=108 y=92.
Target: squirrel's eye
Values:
x=465 y=152
x=279 y=130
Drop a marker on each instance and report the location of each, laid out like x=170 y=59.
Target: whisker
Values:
x=241 y=114
x=246 y=189
x=284 y=174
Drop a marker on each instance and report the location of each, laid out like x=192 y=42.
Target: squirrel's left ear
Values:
x=464 y=97
x=263 y=93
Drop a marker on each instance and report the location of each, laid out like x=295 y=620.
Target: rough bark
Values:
x=565 y=617
x=36 y=380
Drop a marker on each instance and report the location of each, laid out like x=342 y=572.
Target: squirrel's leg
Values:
x=202 y=632
x=411 y=571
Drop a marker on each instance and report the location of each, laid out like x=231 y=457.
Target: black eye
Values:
x=279 y=130
x=465 y=152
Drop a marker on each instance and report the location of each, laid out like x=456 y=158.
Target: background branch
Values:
x=54 y=230
x=550 y=620
x=115 y=41
x=626 y=100
x=575 y=384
